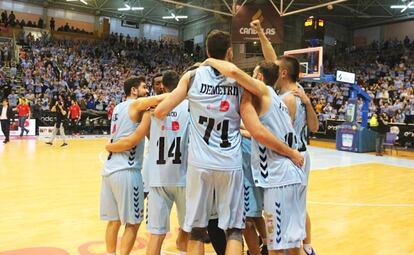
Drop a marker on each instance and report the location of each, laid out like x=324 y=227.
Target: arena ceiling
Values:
x=351 y=13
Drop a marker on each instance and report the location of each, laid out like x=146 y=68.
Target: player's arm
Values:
x=256 y=87
x=142 y=104
x=127 y=143
x=174 y=98
x=290 y=102
x=267 y=48
x=311 y=118
x=244 y=132
x=262 y=135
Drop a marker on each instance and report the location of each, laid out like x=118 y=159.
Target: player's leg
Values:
x=260 y=224
x=250 y=235
x=109 y=212
x=230 y=207
x=179 y=198
x=307 y=245
x=199 y=198
x=111 y=236
x=159 y=207
x=129 y=194
x=253 y=203
x=217 y=236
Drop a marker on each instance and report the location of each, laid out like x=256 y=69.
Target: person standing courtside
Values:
x=23 y=110
x=61 y=112
x=6 y=114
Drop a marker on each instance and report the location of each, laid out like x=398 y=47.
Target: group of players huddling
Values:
x=227 y=148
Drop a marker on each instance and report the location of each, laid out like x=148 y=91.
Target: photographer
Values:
x=61 y=111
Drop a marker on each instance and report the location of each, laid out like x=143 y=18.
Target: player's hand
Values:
x=302 y=95
x=255 y=24
x=297 y=158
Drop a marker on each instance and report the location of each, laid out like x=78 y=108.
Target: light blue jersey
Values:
x=123 y=126
x=269 y=168
x=300 y=122
x=215 y=139
x=247 y=168
x=167 y=158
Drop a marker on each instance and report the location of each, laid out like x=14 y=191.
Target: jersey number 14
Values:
x=173 y=152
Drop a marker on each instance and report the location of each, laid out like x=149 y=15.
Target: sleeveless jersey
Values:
x=247 y=166
x=269 y=168
x=122 y=126
x=300 y=122
x=167 y=158
x=215 y=139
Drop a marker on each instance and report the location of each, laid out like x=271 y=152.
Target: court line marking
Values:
x=360 y=204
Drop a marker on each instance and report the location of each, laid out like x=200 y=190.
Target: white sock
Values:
x=307 y=247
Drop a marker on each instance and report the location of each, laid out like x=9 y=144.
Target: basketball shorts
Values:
x=253 y=201
x=307 y=164
x=209 y=190
x=285 y=216
x=122 y=197
x=160 y=202
x=145 y=174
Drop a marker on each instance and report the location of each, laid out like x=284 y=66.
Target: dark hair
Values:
x=170 y=79
x=133 y=82
x=217 y=44
x=193 y=67
x=292 y=66
x=155 y=76
x=270 y=72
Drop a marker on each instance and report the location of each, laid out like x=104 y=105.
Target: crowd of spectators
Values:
x=92 y=73
x=385 y=70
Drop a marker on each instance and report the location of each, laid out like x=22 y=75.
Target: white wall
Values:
x=115 y=26
x=70 y=15
x=154 y=32
x=20 y=7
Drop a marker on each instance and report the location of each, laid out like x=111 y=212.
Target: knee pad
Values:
x=198 y=234
x=234 y=234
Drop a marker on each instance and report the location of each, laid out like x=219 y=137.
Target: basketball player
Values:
x=284 y=182
x=253 y=202
x=300 y=108
x=214 y=159
x=167 y=164
x=122 y=198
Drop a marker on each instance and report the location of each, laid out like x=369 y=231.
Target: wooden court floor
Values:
x=49 y=204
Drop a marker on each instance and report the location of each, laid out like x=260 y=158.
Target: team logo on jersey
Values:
x=224 y=106
x=175 y=126
x=114 y=129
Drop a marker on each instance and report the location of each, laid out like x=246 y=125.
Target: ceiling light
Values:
x=177 y=18
x=129 y=8
x=403 y=8
x=84 y=2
